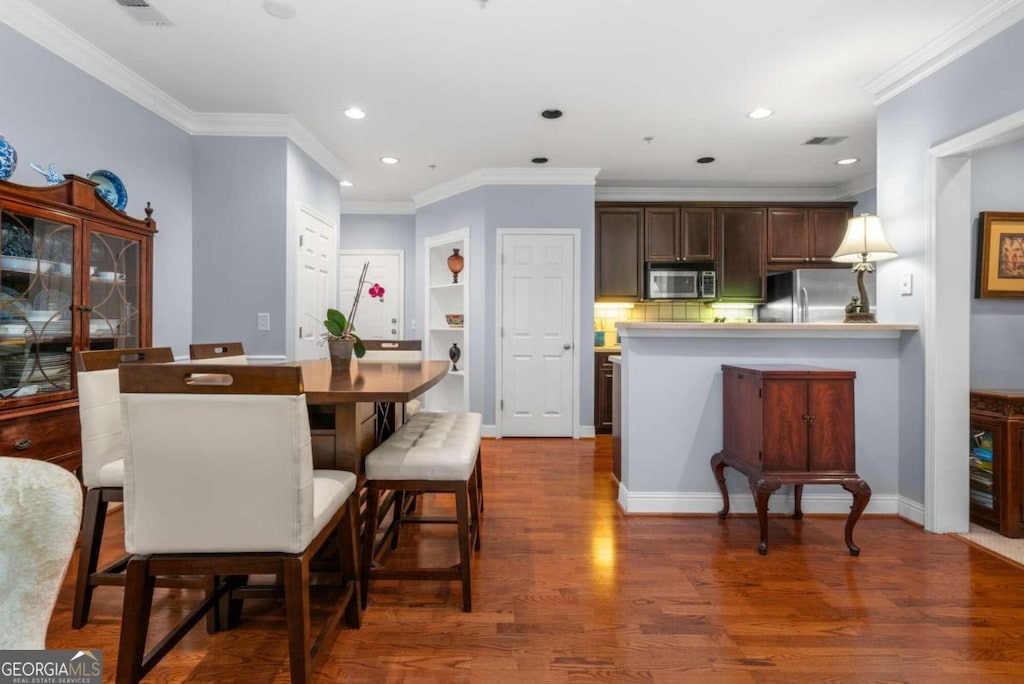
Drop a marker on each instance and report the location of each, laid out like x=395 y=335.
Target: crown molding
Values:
x=54 y=36
x=40 y=27
x=855 y=187
x=505 y=176
x=712 y=194
x=954 y=43
x=391 y=208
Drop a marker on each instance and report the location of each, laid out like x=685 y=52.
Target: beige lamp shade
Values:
x=864 y=241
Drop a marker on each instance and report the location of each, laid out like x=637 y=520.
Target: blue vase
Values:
x=8 y=159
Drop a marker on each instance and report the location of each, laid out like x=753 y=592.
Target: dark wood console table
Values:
x=789 y=424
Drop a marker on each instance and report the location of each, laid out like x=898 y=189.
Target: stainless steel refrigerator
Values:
x=812 y=296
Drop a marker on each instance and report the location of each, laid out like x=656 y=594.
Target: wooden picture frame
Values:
x=1000 y=254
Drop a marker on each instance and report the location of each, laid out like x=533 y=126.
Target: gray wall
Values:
x=53 y=112
x=982 y=86
x=388 y=232
x=312 y=187
x=867 y=202
x=529 y=206
x=465 y=210
x=997 y=325
x=239 y=242
x=484 y=210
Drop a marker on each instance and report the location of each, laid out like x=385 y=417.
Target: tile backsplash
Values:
x=694 y=312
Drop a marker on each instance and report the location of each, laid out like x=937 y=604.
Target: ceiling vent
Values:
x=144 y=13
x=826 y=140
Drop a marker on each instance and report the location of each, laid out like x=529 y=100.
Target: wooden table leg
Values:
x=762 y=490
x=798 y=495
x=718 y=467
x=861 y=495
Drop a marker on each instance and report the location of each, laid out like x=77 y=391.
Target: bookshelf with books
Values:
x=994 y=449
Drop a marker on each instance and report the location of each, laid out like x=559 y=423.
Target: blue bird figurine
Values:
x=52 y=177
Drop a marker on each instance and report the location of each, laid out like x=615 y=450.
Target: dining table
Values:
x=352 y=410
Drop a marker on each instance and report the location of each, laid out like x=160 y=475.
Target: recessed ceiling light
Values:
x=346 y=184
x=355 y=113
x=760 y=113
x=389 y=160
x=279 y=9
x=848 y=161
x=552 y=113
x=540 y=160
x=705 y=160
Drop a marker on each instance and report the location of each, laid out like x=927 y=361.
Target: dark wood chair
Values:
x=256 y=505
x=218 y=352
x=99 y=409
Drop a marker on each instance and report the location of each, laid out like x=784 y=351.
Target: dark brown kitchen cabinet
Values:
x=789 y=424
x=741 y=264
x=799 y=237
x=618 y=246
x=995 y=448
x=674 y=234
x=603 y=392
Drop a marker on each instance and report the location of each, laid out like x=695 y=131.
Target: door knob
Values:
x=566 y=346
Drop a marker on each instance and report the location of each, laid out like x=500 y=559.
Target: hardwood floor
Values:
x=566 y=589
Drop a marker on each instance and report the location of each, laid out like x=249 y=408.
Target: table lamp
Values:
x=863 y=244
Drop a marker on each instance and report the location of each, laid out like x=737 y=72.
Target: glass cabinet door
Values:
x=36 y=294
x=114 y=291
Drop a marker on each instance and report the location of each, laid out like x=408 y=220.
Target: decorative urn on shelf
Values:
x=455 y=263
x=454 y=353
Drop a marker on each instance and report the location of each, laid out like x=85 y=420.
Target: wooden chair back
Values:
x=105 y=359
x=183 y=378
x=215 y=350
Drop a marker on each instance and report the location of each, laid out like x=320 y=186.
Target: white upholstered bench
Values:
x=432 y=452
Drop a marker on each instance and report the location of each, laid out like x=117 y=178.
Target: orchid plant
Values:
x=340 y=327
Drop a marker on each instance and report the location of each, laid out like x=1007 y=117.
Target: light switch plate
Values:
x=907 y=284
x=263 y=322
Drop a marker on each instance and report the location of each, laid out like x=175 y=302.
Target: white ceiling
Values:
x=451 y=84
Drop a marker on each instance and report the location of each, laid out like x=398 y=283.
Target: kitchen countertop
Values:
x=628 y=330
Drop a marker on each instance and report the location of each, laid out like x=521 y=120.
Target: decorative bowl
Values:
x=110 y=188
x=454 y=320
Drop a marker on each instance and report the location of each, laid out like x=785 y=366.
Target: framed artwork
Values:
x=1000 y=254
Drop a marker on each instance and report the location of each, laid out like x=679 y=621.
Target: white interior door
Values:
x=376 y=319
x=538 y=341
x=314 y=283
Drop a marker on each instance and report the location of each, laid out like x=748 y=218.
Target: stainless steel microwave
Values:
x=676 y=283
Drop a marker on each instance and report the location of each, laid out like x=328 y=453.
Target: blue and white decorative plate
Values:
x=8 y=159
x=110 y=188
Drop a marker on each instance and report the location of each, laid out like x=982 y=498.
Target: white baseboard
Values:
x=742 y=502
x=586 y=431
x=911 y=510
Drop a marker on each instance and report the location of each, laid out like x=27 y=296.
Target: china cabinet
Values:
x=74 y=274
x=446 y=335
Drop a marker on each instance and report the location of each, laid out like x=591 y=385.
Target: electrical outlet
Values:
x=263 y=322
x=907 y=284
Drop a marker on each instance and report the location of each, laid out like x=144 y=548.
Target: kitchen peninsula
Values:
x=671 y=408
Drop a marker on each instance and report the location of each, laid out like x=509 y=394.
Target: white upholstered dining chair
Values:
x=236 y=440
x=99 y=410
